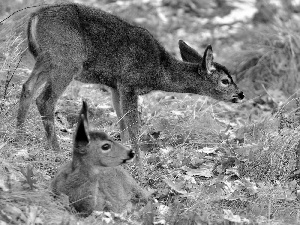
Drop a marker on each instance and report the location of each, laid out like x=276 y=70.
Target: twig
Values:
x=28 y=7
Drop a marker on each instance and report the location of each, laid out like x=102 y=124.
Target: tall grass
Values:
x=269 y=57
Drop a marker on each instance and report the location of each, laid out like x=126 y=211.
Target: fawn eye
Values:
x=106 y=147
x=225 y=81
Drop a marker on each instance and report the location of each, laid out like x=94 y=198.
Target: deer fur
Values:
x=72 y=41
x=93 y=180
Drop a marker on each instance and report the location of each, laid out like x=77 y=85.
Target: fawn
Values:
x=73 y=41
x=92 y=180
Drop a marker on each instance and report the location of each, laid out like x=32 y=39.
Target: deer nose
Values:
x=131 y=154
x=241 y=95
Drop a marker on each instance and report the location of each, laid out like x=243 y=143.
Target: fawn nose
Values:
x=241 y=95
x=131 y=154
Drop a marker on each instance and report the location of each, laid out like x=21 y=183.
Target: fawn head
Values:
x=217 y=80
x=96 y=148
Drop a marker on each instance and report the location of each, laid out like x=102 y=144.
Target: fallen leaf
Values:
x=234 y=218
x=174 y=186
x=208 y=150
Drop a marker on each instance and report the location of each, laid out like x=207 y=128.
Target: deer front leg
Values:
x=117 y=107
x=129 y=104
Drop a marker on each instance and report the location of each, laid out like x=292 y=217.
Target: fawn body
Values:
x=93 y=180
x=73 y=41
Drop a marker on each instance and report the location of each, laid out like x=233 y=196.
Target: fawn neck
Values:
x=85 y=168
x=177 y=76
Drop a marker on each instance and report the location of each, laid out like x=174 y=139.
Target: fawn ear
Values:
x=84 y=110
x=188 y=54
x=82 y=137
x=208 y=58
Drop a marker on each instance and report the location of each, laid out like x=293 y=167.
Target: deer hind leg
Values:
x=60 y=77
x=117 y=106
x=37 y=78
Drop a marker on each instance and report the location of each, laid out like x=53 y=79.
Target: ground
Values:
x=206 y=162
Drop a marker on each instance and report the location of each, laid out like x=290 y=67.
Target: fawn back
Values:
x=85 y=179
x=73 y=41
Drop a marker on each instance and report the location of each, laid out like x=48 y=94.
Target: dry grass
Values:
x=269 y=57
x=190 y=124
x=204 y=159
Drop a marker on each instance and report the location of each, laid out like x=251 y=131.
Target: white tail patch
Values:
x=33 y=31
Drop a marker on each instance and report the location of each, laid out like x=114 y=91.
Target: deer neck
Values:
x=84 y=167
x=176 y=75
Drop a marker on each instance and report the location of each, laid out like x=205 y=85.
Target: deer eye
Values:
x=105 y=147
x=225 y=81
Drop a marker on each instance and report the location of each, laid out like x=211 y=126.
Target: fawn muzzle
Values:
x=238 y=97
x=241 y=95
x=131 y=155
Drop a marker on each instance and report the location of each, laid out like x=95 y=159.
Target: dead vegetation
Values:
x=206 y=162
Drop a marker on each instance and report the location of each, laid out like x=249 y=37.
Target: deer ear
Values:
x=82 y=137
x=84 y=110
x=188 y=54
x=208 y=58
